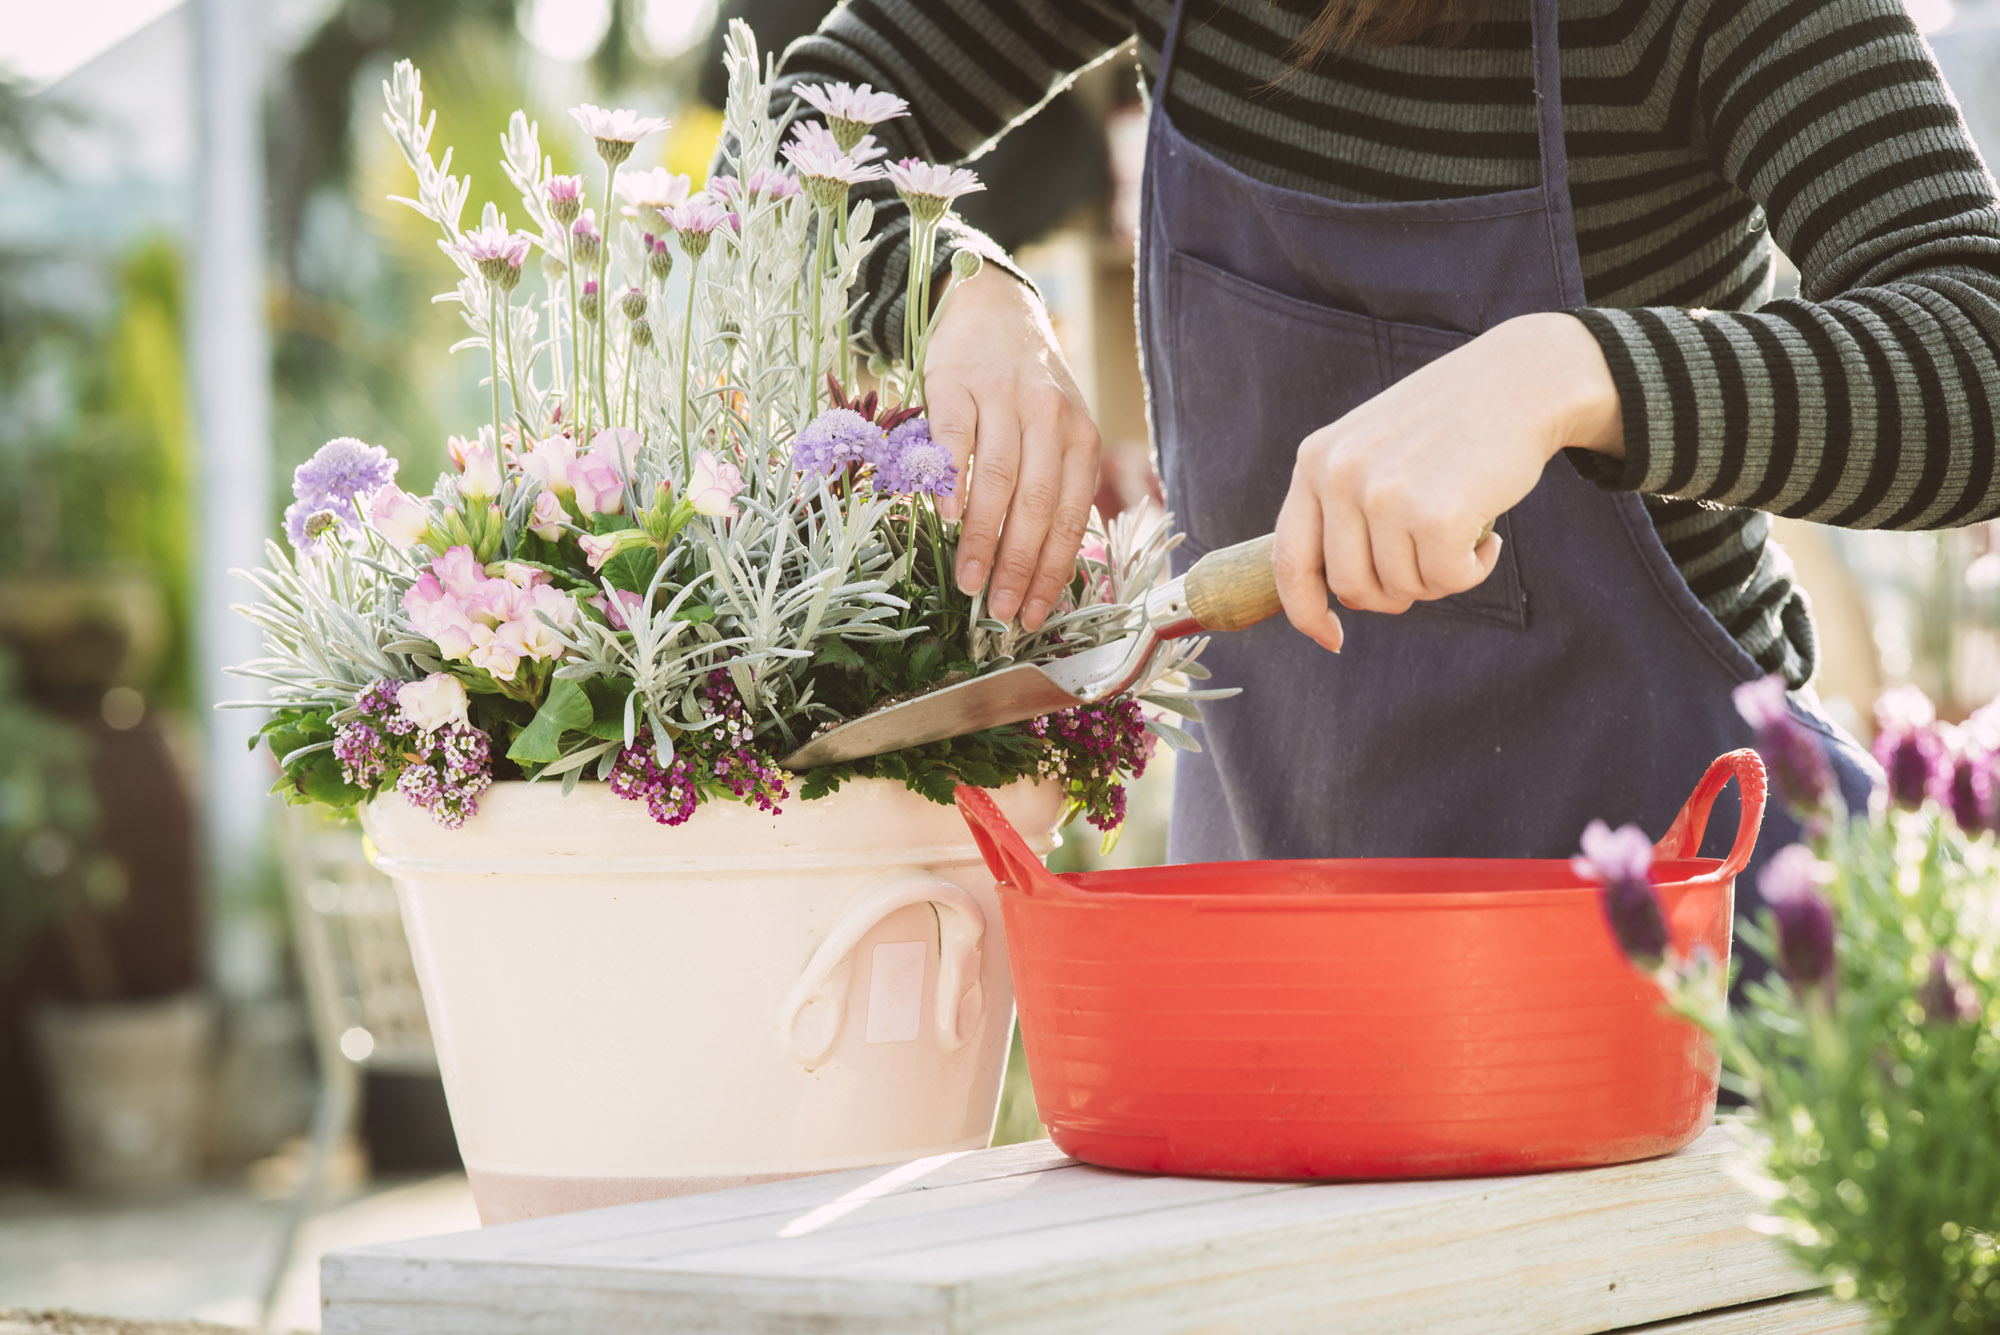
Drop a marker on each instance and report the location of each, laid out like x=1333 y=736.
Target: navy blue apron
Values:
x=1581 y=680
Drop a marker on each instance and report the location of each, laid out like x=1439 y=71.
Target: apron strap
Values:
x=1168 y=45
x=1544 y=16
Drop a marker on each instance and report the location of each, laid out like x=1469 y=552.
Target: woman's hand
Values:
x=1002 y=396
x=1387 y=504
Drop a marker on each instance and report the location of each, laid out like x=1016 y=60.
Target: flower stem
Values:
x=687 y=356
x=492 y=331
x=513 y=376
x=575 y=355
x=814 y=332
x=603 y=293
x=925 y=247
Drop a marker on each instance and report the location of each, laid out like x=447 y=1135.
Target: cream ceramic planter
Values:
x=625 y=1011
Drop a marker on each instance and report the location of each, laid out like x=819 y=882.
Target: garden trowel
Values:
x=1232 y=589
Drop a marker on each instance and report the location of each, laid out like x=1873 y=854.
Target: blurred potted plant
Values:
x=1870 y=1059
x=124 y=1079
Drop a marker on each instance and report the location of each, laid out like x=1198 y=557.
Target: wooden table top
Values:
x=1024 y=1239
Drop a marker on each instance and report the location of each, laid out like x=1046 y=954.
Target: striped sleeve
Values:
x=969 y=70
x=1865 y=401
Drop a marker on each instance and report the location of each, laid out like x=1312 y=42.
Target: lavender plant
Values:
x=1871 y=1058
x=685 y=538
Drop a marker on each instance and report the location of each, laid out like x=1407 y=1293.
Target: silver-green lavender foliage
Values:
x=733 y=365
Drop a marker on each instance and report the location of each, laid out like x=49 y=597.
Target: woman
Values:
x=1397 y=256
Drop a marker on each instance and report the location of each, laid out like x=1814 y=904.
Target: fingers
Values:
x=1449 y=563
x=1296 y=562
x=1037 y=488
x=954 y=418
x=996 y=467
x=1072 y=516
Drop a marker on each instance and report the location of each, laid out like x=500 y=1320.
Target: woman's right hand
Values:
x=1003 y=400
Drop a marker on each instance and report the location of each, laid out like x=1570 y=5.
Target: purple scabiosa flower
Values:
x=1620 y=863
x=1799 y=768
x=835 y=440
x=343 y=474
x=911 y=463
x=1792 y=884
x=1908 y=745
x=565 y=198
x=1947 y=998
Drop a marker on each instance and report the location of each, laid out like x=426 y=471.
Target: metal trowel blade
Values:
x=1010 y=695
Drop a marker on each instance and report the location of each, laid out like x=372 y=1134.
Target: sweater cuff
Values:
x=1619 y=346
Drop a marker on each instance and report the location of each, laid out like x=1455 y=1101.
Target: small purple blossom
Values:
x=1090 y=750
x=1909 y=746
x=837 y=439
x=1620 y=863
x=1947 y=998
x=1792 y=884
x=725 y=758
x=911 y=463
x=1798 y=766
x=442 y=771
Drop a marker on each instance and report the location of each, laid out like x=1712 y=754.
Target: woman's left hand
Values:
x=1387 y=504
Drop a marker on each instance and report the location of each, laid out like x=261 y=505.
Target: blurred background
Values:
x=213 y=1062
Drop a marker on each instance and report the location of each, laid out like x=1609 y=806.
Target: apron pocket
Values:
x=1252 y=373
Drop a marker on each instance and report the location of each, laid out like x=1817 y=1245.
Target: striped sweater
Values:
x=1701 y=135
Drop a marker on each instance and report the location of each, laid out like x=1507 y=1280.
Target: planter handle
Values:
x=1683 y=838
x=816 y=1006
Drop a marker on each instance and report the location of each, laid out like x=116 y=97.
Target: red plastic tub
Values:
x=1359 y=1019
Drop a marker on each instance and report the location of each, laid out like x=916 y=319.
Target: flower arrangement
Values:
x=687 y=538
x=1871 y=1060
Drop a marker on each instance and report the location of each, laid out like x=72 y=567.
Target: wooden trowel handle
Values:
x=1234 y=589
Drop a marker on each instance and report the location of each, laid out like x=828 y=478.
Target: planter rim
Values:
x=533 y=830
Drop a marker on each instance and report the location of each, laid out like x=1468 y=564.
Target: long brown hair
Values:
x=1344 y=23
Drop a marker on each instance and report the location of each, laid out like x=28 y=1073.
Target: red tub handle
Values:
x=1007 y=854
x=1683 y=837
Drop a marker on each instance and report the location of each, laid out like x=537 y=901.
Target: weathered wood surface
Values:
x=1023 y=1239
x=1814 y=1315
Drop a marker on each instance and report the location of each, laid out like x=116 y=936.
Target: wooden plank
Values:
x=1024 y=1240
x=1816 y=1314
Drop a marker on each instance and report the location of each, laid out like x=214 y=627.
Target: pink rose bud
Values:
x=712 y=488
x=437 y=700
x=399 y=517
x=479 y=469
x=597 y=550
x=548 y=517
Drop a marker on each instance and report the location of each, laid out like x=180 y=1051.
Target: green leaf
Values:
x=632 y=570
x=839 y=653
x=924 y=662
x=566 y=709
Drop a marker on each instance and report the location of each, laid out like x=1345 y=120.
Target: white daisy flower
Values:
x=851 y=110
x=616 y=130
x=929 y=188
